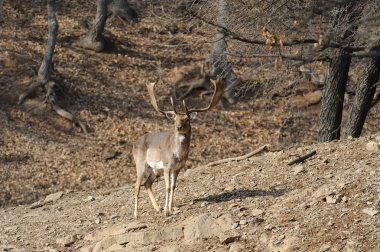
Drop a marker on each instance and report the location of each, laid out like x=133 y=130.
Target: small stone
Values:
x=372 y=146
x=298 y=169
x=256 y=212
x=135 y=228
x=344 y=199
x=278 y=239
x=377 y=138
x=98 y=220
x=36 y=205
x=370 y=211
x=235 y=225
x=232 y=205
x=330 y=200
x=243 y=222
x=85 y=249
x=226 y=238
x=53 y=197
x=66 y=241
x=203 y=204
x=237 y=247
x=256 y=220
x=333 y=199
x=90 y=198
x=269 y=227
x=241 y=214
x=325 y=247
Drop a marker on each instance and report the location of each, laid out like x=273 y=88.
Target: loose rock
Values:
x=298 y=169
x=53 y=197
x=370 y=211
x=372 y=146
x=257 y=212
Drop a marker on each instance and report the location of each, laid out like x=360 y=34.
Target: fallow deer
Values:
x=165 y=153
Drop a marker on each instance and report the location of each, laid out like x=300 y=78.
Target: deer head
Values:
x=183 y=119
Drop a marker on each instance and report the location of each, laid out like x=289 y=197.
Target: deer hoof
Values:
x=167 y=213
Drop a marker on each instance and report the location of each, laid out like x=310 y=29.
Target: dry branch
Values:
x=303 y=158
x=248 y=155
x=354 y=51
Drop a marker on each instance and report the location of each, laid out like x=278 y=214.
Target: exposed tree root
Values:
x=246 y=156
x=303 y=157
x=45 y=71
x=28 y=93
x=51 y=99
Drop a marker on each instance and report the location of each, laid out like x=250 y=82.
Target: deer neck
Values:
x=181 y=144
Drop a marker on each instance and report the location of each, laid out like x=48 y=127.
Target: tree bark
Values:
x=121 y=8
x=333 y=97
x=47 y=62
x=218 y=58
x=364 y=94
x=44 y=72
x=337 y=76
x=94 y=39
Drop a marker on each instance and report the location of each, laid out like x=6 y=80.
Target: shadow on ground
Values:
x=242 y=194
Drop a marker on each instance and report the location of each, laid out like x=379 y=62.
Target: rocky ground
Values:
x=328 y=203
x=63 y=190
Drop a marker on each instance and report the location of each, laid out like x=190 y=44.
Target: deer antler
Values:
x=217 y=95
x=153 y=100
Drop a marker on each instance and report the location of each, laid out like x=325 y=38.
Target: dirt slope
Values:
x=41 y=153
x=328 y=203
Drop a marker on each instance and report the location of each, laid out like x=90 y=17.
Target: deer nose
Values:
x=179 y=127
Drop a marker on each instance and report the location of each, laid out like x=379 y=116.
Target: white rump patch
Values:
x=156 y=165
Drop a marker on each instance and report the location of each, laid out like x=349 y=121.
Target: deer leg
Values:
x=148 y=187
x=167 y=190
x=173 y=178
x=137 y=191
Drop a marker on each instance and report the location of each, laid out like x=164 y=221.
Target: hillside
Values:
x=328 y=203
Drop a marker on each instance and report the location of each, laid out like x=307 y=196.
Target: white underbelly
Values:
x=156 y=165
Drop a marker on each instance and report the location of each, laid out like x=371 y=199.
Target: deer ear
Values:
x=193 y=115
x=170 y=116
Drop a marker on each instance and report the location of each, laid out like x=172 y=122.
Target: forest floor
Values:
x=328 y=203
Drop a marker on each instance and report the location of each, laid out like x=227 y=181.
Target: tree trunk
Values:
x=220 y=64
x=46 y=65
x=94 y=39
x=47 y=61
x=364 y=94
x=333 y=97
x=336 y=81
x=121 y=8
